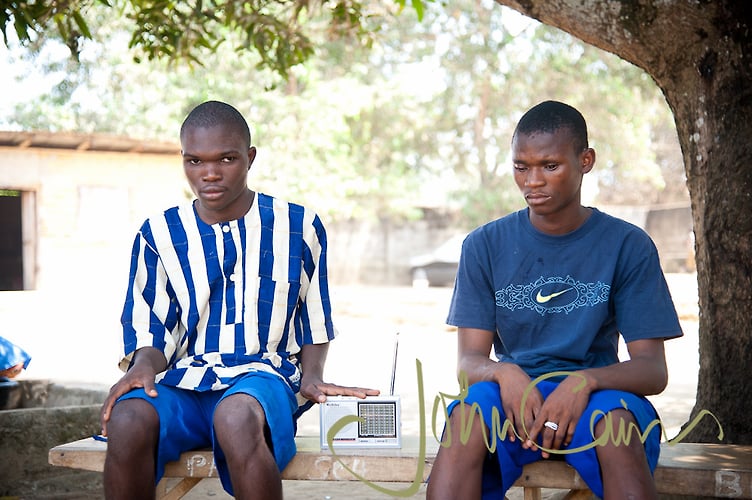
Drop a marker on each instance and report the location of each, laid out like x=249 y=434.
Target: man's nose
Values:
x=212 y=171
x=534 y=177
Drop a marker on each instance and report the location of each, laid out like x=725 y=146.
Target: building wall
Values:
x=379 y=252
x=671 y=230
x=88 y=205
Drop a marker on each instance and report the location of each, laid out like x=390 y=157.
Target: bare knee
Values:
x=619 y=430
x=239 y=411
x=466 y=438
x=133 y=432
x=466 y=427
x=240 y=423
x=134 y=422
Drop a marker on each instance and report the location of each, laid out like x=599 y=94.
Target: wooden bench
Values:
x=707 y=470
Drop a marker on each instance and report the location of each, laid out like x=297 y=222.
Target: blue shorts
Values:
x=185 y=419
x=504 y=466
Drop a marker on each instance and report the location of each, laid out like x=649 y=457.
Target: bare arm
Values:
x=147 y=362
x=645 y=373
x=312 y=385
x=474 y=347
x=473 y=350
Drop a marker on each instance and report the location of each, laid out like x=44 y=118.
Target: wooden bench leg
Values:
x=531 y=493
x=178 y=491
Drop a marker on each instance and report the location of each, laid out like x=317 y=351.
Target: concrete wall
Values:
x=379 y=252
x=85 y=210
x=671 y=229
x=47 y=415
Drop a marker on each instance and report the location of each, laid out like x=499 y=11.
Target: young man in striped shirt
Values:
x=226 y=325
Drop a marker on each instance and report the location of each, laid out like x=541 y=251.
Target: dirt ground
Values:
x=369 y=320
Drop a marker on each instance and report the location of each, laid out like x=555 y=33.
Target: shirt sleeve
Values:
x=150 y=313
x=315 y=308
x=472 y=304
x=642 y=300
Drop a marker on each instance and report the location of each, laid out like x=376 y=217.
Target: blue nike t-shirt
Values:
x=559 y=303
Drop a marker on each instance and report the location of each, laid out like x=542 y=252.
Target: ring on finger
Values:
x=551 y=425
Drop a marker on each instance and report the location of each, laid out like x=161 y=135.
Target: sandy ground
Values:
x=73 y=343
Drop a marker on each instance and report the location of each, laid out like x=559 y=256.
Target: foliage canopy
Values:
x=420 y=115
x=279 y=31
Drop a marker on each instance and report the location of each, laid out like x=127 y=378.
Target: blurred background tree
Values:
x=400 y=108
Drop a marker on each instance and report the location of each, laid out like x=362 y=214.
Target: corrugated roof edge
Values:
x=85 y=142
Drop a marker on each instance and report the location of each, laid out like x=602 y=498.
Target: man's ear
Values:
x=588 y=160
x=251 y=156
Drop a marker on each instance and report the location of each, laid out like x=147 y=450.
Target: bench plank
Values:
x=309 y=463
x=711 y=470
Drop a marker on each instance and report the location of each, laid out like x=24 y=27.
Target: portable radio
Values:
x=381 y=422
x=380 y=426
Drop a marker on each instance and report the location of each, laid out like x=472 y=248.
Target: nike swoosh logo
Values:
x=542 y=299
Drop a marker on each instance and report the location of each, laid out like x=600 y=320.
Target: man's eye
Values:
x=551 y=166
x=194 y=161
x=520 y=168
x=228 y=159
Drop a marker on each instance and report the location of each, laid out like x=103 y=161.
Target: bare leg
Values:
x=239 y=423
x=129 y=467
x=458 y=469
x=624 y=467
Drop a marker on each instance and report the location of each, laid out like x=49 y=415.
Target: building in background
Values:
x=69 y=202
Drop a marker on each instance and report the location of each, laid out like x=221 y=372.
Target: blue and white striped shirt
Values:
x=225 y=299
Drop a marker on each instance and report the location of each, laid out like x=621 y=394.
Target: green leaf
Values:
x=81 y=23
x=61 y=26
x=22 y=29
x=419 y=8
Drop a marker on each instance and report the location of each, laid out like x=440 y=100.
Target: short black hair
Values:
x=550 y=116
x=213 y=113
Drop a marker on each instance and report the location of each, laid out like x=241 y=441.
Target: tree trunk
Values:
x=700 y=55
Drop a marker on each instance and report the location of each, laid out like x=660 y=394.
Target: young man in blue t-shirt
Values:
x=551 y=288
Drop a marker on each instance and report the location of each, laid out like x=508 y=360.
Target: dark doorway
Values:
x=11 y=241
